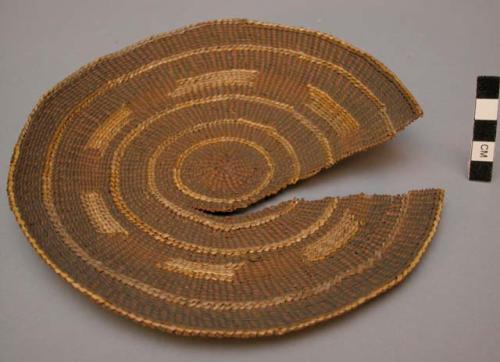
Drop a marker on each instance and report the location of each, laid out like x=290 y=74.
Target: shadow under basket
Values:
x=126 y=173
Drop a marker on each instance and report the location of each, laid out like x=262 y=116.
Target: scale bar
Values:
x=485 y=128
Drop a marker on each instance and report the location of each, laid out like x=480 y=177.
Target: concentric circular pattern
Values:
x=231 y=168
x=120 y=168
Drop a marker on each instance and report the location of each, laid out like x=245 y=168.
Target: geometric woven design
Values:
x=126 y=174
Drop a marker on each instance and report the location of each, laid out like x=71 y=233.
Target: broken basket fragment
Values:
x=123 y=169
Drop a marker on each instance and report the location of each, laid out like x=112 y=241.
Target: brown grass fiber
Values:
x=125 y=172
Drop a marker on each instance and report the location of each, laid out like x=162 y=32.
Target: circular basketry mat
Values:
x=123 y=169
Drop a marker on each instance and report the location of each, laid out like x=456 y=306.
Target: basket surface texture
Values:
x=127 y=174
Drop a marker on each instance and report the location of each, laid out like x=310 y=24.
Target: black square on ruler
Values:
x=480 y=171
x=485 y=131
x=487 y=86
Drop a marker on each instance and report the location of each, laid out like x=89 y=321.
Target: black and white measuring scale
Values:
x=485 y=127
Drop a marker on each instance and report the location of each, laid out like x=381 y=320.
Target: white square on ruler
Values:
x=486 y=109
x=483 y=151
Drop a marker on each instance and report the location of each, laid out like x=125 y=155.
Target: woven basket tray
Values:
x=123 y=169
